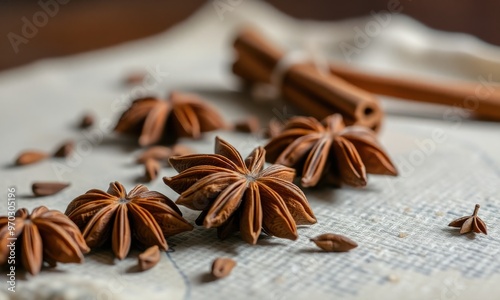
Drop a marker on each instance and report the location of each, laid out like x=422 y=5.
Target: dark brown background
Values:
x=83 y=25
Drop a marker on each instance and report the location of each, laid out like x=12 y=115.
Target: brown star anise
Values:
x=329 y=150
x=470 y=223
x=240 y=195
x=145 y=216
x=157 y=120
x=44 y=235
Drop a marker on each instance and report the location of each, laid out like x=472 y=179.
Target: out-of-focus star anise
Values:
x=240 y=195
x=144 y=216
x=329 y=150
x=44 y=235
x=157 y=120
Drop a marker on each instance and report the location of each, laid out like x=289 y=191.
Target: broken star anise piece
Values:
x=240 y=195
x=163 y=121
x=144 y=216
x=470 y=223
x=44 y=235
x=329 y=151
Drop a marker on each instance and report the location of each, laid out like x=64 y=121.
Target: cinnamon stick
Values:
x=482 y=100
x=311 y=91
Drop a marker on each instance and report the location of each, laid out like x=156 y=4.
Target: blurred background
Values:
x=83 y=25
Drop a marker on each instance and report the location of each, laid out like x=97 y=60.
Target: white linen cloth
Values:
x=406 y=251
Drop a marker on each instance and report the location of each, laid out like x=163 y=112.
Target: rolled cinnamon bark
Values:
x=304 y=86
x=482 y=100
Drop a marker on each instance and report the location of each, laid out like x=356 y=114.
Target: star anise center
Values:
x=250 y=177
x=123 y=201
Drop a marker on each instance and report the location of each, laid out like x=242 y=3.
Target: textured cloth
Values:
x=406 y=251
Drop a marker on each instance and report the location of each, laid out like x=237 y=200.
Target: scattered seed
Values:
x=393 y=278
x=151 y=169
x=403 y=235
x=30 y=157
x=149 y=258
x=135 y=78
x=274 y=128
x=248 y=125
x=87 y=121
x=222 y=267
x=334 y=242
x=47 y=188
x=159 y=153
x=65 y=149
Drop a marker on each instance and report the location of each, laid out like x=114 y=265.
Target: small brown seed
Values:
x=222 y=267
x=159 y=153
x=47 y=188
x=334 y=242
x=65 y=149
x=135 y=78
x=151 y=169
x=149 y=258
x=30 y=157
x=87 y=121
x=249 y=125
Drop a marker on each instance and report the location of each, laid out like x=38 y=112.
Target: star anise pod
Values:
x=329 y=150
x=144 y=216
x=470 y=223
x=44 y=235
x=240 y=195
x=157 y=120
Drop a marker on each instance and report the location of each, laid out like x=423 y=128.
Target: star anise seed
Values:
x=149 y=258
x=87 y=120
x=163 y=153
x=159 y=153
x=65 y=149
x=30 y=157
x=334 y=242
x=222 y=267
x=47 y=188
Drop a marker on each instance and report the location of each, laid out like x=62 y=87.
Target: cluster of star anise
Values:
x=232 y=193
